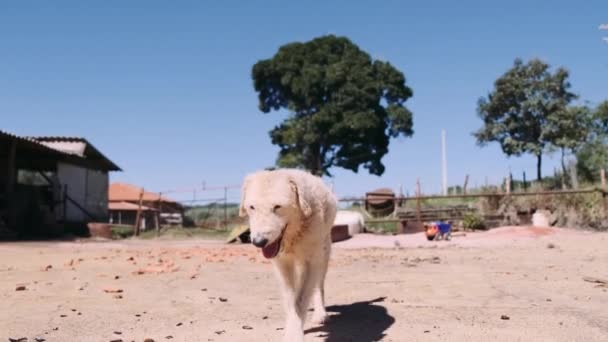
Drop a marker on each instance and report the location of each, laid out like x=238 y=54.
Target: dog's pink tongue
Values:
x=270 y=251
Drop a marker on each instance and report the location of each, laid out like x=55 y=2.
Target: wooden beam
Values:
x=138 y=217
x=160 y=211
x=418 y=194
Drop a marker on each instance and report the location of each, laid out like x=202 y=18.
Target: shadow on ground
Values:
x=357 y=322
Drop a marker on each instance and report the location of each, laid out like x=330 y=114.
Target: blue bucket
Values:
x=444 y=227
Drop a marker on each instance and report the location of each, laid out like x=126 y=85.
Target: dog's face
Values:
x=272 y=203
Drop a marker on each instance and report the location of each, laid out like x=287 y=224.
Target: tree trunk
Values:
x=316 y=161
x=539 y=164
x=563 y=168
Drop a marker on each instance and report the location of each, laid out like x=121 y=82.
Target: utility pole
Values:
x=226 y=207
x=444 y=165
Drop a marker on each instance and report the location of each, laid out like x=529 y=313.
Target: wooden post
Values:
x=466 y=183
x=160 y=211
x=138 y=217
x=10 y=183
x=508 y=185
x=418 y=211
x=603 y=178
x=157 y=223
x=226 y=208
x=605 y=200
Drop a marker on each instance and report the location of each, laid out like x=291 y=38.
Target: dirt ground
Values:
x=508 y=284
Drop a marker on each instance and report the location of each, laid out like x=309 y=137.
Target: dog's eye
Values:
x=251 y=207
x=277 y=207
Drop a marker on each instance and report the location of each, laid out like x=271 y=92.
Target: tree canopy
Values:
x=527 y=110
x=592 y=156
x=343 y=106
x=567 y=130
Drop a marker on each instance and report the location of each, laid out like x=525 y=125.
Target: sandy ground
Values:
x=509 y=284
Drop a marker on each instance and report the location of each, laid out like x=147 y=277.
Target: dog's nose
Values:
x=259 y=241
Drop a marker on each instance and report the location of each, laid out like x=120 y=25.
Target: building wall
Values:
x=88 y=188
x=97 y=193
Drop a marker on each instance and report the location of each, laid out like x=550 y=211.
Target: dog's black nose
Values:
x=259 y=241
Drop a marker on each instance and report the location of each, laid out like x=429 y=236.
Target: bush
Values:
x=122 y=232
x=568 y=210
x=473 y=222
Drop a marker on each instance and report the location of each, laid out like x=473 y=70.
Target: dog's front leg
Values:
x=318 y=274
x=291 y=285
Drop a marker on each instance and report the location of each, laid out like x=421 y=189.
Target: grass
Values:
x=178 y=233
x=212 y=211
x=382 y=227
x=121 y=231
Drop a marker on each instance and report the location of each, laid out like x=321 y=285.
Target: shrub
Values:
x=473 y=222
x=122 y=232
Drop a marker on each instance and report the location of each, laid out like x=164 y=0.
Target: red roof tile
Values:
x=127 y=192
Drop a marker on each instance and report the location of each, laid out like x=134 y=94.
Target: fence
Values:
x=591 y=206
x=209 y=206
x=217 y=206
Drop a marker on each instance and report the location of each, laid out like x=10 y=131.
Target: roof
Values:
x=29 y=142
x=77 y=146
x=90 y=156
x=127 y=206
x=128 y=192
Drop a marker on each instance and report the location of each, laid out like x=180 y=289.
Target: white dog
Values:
x=291 y=214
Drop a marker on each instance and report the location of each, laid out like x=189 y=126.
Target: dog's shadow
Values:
x=357 y=322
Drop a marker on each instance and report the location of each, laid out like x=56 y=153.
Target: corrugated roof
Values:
x=29 y=141
x=128 y=192
x=77 y=146
x=126 y=206
x=91 y=156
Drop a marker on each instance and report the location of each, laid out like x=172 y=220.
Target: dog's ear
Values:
x=302 y=202
x=242 y=210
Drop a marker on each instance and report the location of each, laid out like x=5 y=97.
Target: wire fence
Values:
x=217 y=206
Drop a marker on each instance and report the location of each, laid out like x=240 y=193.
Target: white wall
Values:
x=89 y=188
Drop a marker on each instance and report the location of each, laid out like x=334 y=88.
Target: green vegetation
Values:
x=344 y=105
x=122 y=231
x=382 y=227
x=186 y=233
x=473 y=222
x=593 y=155
x=527 y=112
x=212 y=215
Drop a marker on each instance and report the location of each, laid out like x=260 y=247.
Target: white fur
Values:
x=307 y=210
x=353 y=219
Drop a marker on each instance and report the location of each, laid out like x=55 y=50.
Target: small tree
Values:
x=592 y=156
x=567 y=130
x=517 y=112
x=344 y=107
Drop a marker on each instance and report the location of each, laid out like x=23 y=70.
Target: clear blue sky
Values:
x=164 y=88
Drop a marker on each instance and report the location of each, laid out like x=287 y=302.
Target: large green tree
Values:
x=593 y=155
x=343 y=106
x=517 y=112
